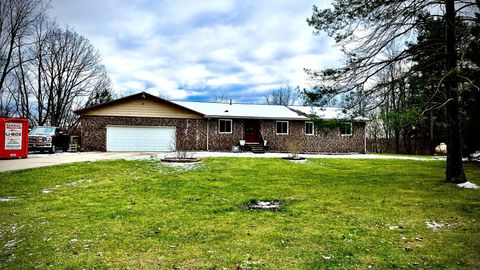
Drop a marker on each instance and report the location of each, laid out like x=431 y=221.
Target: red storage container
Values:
x=13 y=137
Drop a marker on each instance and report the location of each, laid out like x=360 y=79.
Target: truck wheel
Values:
x=52 y=150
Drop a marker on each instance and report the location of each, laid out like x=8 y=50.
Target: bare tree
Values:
x=38 y=52
x=8 y=107
x=70 y=71
x=220 y=99
x=17 y=19
x=283 y=96
x=45 y=71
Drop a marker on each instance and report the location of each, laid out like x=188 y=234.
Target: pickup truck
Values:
x=47 y=138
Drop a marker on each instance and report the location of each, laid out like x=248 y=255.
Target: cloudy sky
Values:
x=197 y=50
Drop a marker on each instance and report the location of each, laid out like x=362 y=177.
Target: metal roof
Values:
x=246 y=111
x=259 y=111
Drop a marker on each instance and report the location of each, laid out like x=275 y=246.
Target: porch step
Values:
x=258 y=149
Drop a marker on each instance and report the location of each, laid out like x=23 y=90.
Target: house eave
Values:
x=255 y=117
x=278 y=118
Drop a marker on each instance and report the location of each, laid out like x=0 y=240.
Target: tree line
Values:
x=413 y=65
x=46 y=71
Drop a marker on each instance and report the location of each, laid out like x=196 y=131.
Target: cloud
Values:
x=197 y=50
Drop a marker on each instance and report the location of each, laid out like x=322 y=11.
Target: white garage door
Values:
x=139 y=139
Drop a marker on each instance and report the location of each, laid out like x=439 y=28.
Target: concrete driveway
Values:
x=42 y=160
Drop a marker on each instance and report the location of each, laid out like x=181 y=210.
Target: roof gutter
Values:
x=255 y=117
x=365 y=138
x=280 y=118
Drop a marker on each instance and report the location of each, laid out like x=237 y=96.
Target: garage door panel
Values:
x=136 y=138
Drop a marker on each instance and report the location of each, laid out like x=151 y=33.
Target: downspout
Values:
x=208 y=124
x=365 y=138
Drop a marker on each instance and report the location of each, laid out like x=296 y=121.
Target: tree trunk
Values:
x=432 y=144
x=454 y=171
x=397 y=141
x=8 y=59
x=23 y=90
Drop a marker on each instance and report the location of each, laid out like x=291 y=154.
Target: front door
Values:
x=252 y=130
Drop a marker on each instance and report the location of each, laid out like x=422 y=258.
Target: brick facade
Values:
x=192 y=133
x=327 y=140
x=217 y=141
x=94 y=130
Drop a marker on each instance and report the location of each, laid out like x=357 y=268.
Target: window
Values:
x=282 y=127
x=225 y=126
x=309 y=128
x=42 y=131
x=346 y=129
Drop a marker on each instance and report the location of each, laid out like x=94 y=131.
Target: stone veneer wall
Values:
x=324 y=140
x=217 y=141
x=94 y=129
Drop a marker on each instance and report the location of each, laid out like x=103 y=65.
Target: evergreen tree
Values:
x=366 y=29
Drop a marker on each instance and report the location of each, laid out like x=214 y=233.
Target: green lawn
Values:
x=339 y=214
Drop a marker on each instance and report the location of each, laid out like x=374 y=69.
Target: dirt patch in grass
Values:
x=180 y=160
x=271 y=205
x=294 y=158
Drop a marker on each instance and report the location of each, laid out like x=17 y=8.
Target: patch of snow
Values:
x=475 y=156
x=180 y=164
x=468 y=185
x=327 y=257
x=140 y=157
x=168 y=167
x=11 y=257
x=73 y=240
x=14 y=228
x=298 y=161
x=435 y=225
x=70 y=184
x=11 y=243
x=7 y=199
